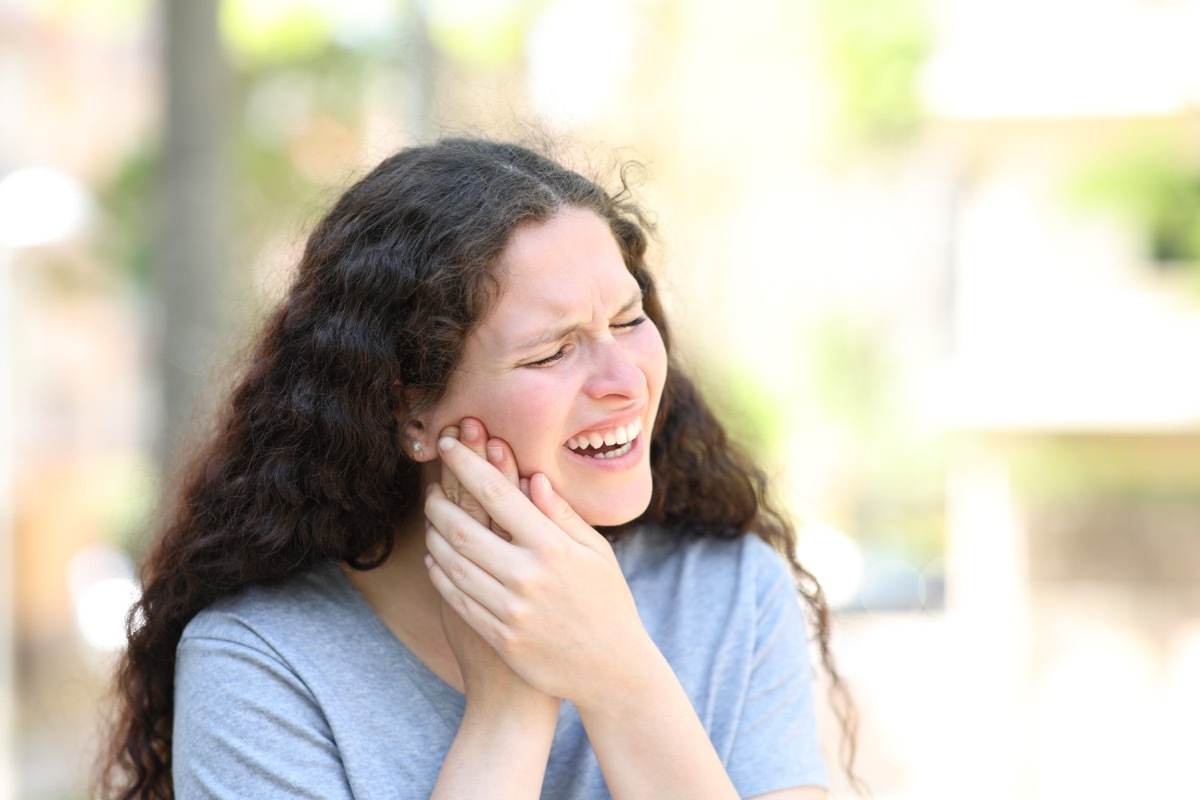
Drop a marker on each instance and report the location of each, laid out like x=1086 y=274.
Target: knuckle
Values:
x=530 y=585
x=522 y=580
x=564 y=510
x=459 y=535
x=467 y=502
x=494 y=489
x=517 y=613
x=458 y=571
x=507 y=640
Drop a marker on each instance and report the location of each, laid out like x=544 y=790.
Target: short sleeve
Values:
x=245 y=725
x=776 y=745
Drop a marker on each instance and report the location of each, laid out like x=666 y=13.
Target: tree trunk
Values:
x=191 y=239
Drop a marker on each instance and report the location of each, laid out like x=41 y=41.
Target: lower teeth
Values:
x=620 y=451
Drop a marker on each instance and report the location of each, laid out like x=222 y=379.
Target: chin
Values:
x=607 y=511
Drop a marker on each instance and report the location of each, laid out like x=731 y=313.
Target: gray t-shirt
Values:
x=300 y=690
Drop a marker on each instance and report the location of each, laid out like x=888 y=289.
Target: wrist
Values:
x=527 y=713
x=499 y=751
x=637 y=683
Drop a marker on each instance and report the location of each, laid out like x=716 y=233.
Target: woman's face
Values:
x=566 y=368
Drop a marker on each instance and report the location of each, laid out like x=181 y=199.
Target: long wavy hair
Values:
x=306 y=465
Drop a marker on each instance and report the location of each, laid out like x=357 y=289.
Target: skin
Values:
x=525 y=602
x=604 y=366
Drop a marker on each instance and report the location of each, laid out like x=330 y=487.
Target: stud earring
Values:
x=416 y=448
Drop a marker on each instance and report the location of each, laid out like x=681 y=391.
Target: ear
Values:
x=415 y=438
x=417 y=442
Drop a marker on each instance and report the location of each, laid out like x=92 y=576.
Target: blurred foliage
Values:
x=484 y=34
x=853 y=387
x=899 y=469
x=134 y=493
x=298 y=133
x=270 y=32
x=1112 y=467
x=852 y=373
x=297 y=119
x=752 y=412
x=104 y=18
x=873 y=52
x=275 y=31
x=1153 y=185
x=126 y=203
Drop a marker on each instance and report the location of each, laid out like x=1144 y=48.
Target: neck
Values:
x=399 y=589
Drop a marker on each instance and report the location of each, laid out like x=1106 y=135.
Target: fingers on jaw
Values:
x=472 y=434
x=500 y=456
x=544 y=497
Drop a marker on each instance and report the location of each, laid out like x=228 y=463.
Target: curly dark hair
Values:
x=306 y=465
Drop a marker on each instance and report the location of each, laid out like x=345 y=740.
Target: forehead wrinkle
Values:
x=562 y=331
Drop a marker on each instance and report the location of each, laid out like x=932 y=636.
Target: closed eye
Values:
x=545 y=362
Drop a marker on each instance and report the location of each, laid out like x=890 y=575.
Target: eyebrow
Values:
x=560 y=333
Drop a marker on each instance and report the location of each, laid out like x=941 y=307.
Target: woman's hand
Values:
x=553 y=604
x=550 y=599
x=489 y=682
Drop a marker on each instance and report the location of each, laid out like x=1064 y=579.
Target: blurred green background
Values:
x=938 y=264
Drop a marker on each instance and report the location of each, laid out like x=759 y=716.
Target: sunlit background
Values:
x=937 y=260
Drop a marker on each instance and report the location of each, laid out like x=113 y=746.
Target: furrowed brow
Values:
x=562 y=332
x=634 y=300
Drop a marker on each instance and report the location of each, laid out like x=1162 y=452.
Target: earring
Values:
x=416 y=448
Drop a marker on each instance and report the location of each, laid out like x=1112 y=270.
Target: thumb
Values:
x=559 y=511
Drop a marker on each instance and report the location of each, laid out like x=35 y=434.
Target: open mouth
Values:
x=610 y=443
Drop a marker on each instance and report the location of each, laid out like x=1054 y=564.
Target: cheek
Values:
x=529 y=415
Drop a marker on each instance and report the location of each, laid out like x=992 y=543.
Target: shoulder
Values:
x=311 y=609
x=705 y=580
x=253 y=693
x=300 y=594
x=656 y=555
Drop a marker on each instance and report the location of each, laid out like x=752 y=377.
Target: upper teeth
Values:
x=618 y=435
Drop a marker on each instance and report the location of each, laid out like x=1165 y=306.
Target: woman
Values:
x=383 y=576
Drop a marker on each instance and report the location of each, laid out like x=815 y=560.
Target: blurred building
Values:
x=1073 y=537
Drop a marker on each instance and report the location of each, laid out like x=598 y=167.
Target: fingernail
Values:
x=495 y=453
x=428 y=524
x=470 y=430
x=445 y=444
x=451 y=431
x=428 y=561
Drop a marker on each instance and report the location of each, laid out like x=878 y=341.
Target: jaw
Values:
x=605 y=498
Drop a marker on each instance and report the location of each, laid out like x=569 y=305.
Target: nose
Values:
x=614 y=372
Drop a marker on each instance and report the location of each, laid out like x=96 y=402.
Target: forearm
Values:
x=497 y=754
x=650 y=743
